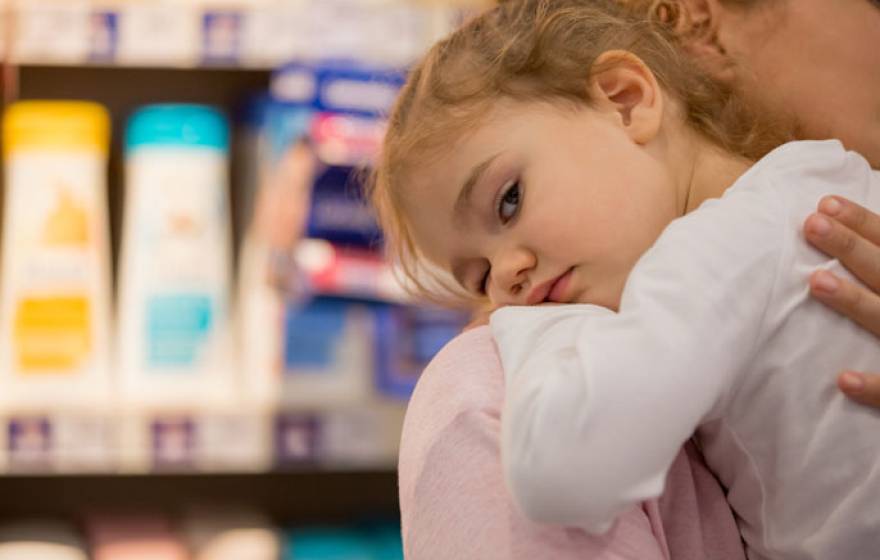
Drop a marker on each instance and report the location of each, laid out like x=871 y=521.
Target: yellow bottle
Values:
x=55 y=288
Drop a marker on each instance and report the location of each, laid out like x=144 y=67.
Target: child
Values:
x=546 y=153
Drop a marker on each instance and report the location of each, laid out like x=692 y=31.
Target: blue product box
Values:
x=312 y=333
x=339 y=212
x=350 y=101
x=407 y=339
x=327 y=353
x=340 y=86
x=267 y=129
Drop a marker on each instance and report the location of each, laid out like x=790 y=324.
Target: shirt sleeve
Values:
x=461 y=509
x=598 y=403
x=453 y=501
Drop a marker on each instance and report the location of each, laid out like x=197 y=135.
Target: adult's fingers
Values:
x=854 y=216
x=849 y=232
x=848 y=298
x=861 y=387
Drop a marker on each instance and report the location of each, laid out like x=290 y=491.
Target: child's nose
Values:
x=511 y=275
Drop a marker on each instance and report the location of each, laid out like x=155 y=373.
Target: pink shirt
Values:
x=454 y=504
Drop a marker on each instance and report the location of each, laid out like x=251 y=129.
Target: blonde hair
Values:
x=529 y=50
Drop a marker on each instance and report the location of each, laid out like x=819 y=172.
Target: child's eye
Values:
x=509 y=204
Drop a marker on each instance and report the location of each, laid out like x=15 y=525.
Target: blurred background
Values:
x=203 y=352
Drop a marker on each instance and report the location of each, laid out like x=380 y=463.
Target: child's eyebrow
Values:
x=463 y=202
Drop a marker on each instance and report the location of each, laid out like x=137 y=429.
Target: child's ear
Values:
x=623 y=85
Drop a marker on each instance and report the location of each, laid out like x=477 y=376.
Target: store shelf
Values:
x=341 y=438
x=226 y=34
x=301 y=496
x=299 y=453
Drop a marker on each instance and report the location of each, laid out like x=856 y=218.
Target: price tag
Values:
x=52 y=32
x=29 y=440
x=104 y=35
x=85 y=443
x=296 y=439
x=358 y=437
x=158 y=33
x=234 y=442
x=221 y=37
x=173 y=443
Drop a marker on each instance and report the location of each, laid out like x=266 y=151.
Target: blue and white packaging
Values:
x=175 y=332
x=327 y=354
x=324 y=356
x=351 y=100
x=273 y=192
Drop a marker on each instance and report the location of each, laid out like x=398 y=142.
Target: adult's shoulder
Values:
x=458 y=396
x=453 y=500
x=464 y=376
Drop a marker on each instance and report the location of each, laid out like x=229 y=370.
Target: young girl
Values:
x=548 y=153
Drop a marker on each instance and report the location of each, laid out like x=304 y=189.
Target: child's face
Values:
x=542 y=203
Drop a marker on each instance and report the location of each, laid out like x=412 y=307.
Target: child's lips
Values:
x=551 y=290
x=540 y=292
x=560 y=286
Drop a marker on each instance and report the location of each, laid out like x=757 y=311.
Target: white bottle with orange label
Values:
x=55 y=296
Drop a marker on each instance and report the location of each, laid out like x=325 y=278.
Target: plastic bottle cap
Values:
x=60 y=125
x=178 y=125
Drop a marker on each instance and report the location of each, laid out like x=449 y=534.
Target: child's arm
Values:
x=453 y=502
x=598 y=403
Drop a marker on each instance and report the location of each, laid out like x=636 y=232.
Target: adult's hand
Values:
x=851 y=233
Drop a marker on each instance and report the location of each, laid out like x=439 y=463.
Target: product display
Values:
x=194 y=292
x=226 y=33
x=175 y=286
x=273 y=194
x=55 y=290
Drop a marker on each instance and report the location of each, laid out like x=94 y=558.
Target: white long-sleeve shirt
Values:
x=717 y=333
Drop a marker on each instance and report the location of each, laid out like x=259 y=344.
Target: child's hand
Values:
x=851 y=233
